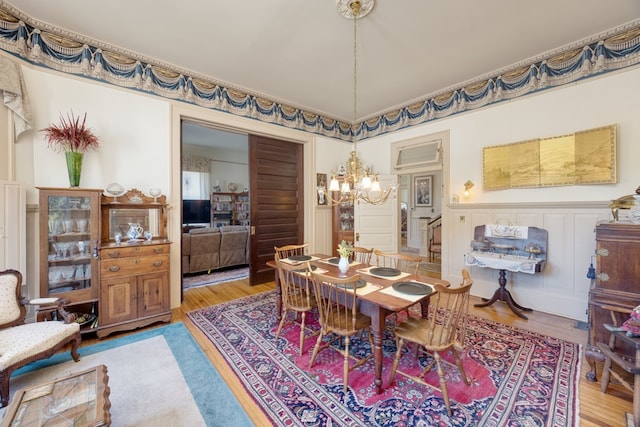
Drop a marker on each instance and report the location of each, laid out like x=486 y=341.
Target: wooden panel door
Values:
x=118 y=300
x=153 y=297
x=277 y=210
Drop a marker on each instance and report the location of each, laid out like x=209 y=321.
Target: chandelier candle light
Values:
x=358 y=183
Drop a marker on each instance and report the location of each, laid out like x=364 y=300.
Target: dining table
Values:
x=383 y=294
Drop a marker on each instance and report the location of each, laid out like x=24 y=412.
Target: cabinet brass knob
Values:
x=136 y=261
x=114 y=268
x=604 y=277
x=158 y=250
x=157 y=263
x=603 y=252
x=114 y=254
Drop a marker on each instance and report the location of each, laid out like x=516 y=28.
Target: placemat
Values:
x=326 y=260
x=293 y=262
x=413 y=298
x=394 y=278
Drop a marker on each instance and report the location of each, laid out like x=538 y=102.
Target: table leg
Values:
x=278 y=297
x=503 y=294
x=377 y=328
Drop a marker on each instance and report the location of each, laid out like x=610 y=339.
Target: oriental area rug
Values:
x=215 y=277
x=519 y=378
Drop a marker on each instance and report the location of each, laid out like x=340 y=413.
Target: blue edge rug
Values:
x=215 y=400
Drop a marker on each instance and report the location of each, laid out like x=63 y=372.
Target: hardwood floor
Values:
x=596 y=408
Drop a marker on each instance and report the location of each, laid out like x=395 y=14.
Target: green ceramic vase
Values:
x=74 y=167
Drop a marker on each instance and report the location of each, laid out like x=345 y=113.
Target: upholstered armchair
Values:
x=22 y=343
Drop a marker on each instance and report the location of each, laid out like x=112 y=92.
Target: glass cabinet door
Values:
x=69 y=230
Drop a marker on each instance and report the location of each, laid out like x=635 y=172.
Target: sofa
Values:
x=214 y=248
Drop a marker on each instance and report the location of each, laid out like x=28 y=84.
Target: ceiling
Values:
x=301 y=52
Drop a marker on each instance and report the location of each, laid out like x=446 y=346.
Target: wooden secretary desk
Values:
x=616 y=288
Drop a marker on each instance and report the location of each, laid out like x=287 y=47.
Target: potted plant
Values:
x=74 y=138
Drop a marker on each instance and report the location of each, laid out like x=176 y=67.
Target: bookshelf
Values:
x=230 y=209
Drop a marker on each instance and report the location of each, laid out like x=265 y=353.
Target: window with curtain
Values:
x=195 y=178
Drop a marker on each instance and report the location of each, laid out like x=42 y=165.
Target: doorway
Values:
x=214 y=165
x=266 y=173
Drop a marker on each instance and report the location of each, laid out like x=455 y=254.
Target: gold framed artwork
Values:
x=585 y=157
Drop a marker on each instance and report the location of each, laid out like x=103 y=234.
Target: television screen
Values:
x=196 y=211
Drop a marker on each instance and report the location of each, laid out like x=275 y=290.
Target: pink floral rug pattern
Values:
x=518 y=377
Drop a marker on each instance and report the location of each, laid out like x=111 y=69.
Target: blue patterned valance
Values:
x=48 y=46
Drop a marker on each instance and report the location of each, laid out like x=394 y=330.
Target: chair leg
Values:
x=456 y=355
x=606 y=374
x=303 y=315
x=443 y=382
x=4 y=388
x=345 y=368
x=282 y=322
x=316 y=348
x=75 y=345
x=396 y=360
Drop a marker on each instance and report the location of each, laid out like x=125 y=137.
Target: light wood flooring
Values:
x=596 y=408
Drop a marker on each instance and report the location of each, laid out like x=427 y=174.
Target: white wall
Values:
x=563 y=287
x=133 y=130
x=225 y=166
x=140 y=134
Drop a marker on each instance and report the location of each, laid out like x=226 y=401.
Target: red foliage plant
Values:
x=71 y=135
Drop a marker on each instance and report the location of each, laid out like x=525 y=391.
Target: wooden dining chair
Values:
x=435 y=242
x=617 y=362
x=444 y=330
x=286 y=251
x=362 y=255
x=338 y=315
x=297 y=297
x=403 y=262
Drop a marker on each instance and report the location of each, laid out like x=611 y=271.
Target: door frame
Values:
x=225 y=121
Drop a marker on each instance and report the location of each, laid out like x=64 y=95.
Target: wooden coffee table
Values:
x=80 y=399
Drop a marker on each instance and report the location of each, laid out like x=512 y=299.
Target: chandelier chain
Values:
x=358 y=183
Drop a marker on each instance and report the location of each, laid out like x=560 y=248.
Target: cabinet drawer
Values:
x=133 y=251
x=133 y=265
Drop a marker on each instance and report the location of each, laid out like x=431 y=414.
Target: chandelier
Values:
x=355 y=183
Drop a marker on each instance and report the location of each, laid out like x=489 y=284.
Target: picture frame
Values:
x=423 y=191
x=321 y=185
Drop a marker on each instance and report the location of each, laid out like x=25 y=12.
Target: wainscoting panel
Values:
x=562 y=288
x=322 y=231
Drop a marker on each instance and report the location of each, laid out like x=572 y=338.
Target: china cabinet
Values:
x=70 y=232
x=134 y=262
x=342 y=223
x=229 y=209
x=615 y=290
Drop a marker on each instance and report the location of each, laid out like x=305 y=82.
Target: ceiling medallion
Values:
x=346 y=9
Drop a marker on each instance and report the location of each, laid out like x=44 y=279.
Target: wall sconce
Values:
x=467 y=186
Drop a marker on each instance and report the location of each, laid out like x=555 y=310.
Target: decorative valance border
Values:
x=195 y=164
x=48 y=46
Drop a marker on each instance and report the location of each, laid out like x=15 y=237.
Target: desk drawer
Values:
x=133 y=266
x=133 y=251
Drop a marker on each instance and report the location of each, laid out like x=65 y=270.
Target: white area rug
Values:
x=147 y=386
